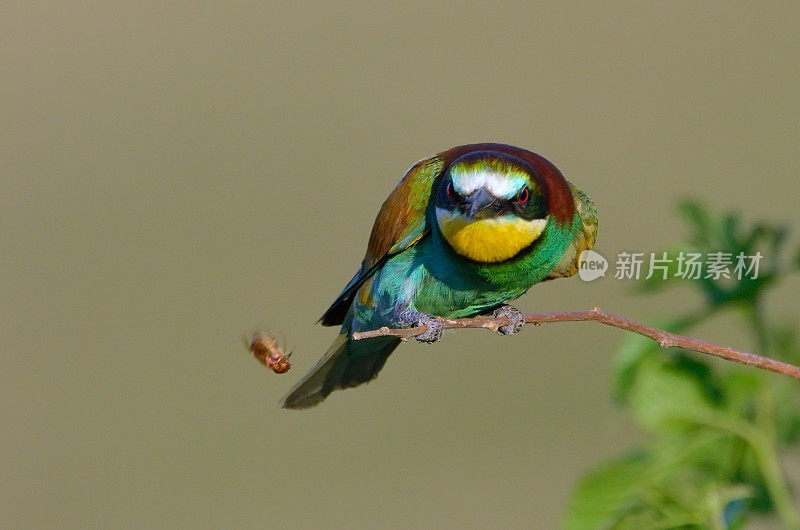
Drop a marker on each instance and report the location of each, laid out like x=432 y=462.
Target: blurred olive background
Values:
x=176 y=175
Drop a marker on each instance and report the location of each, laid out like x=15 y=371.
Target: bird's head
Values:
x=490 y=206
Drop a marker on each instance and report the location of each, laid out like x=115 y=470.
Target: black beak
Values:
x=479 y=203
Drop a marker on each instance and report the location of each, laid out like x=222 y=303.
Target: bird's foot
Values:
x=415 y=318
x=516 y=320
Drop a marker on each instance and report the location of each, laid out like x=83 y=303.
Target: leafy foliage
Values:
x=716 y=433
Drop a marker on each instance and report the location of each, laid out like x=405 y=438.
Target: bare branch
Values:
x=664 y=339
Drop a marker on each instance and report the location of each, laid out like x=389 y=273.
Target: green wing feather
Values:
x=400 y=223
x=584 y=237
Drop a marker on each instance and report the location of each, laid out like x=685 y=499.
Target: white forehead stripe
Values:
x=498 y=184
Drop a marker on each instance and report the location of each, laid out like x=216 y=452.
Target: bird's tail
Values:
x=344 y=365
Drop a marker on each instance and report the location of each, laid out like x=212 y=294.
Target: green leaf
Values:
x=786 y=341
x=632 y=352
x=608 y=494
x=698 y=219
x=716 y=434
x=713 y=233
x=660 y=488
x=657 y=281
x=635 y=349
x=664 y=398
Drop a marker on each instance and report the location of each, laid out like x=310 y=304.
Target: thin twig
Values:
x=664 y=339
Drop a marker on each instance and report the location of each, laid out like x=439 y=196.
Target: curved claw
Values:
x=434 y=325
x=516 y=320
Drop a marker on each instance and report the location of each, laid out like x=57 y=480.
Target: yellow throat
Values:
x=488 y=240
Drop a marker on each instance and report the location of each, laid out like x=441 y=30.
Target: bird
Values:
x=464 y=232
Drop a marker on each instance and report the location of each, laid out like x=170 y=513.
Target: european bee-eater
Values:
x=464 y=232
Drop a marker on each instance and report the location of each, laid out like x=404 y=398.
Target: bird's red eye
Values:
x=523 y=196
x=449 y=189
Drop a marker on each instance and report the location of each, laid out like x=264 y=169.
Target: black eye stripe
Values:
x=527 y=203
